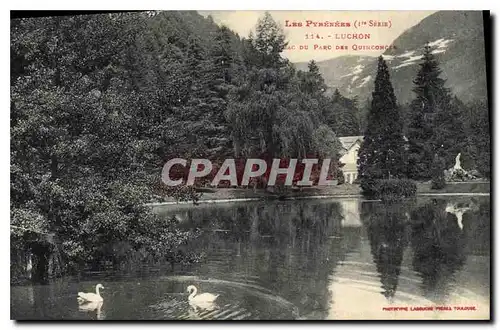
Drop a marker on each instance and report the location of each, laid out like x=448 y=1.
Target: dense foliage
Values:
x=438 y=241
x=478 y=150
x=100 y=102
x=437 y=125
x=381 y=155
x=438 y=168
x=441 y=124
x=344 y=115
x=88 y=129
x=389 y=189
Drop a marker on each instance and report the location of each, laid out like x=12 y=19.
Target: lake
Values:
x=300 y=259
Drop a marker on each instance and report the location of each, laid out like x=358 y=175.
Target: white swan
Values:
x=200 y=299
x=85 y=297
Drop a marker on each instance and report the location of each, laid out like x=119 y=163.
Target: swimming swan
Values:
x=84 y=297
x=200 y=299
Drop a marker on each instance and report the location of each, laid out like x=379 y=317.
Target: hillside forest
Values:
x=100 y=102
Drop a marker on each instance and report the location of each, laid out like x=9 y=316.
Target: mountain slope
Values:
x=342 y=72
x=457 y=40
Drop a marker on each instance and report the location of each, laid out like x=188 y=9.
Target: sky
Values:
x=328 y=40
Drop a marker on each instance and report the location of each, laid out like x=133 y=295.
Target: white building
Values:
x=351 y=146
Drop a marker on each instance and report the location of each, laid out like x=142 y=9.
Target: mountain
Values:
x=342 y=72
x=457 y=39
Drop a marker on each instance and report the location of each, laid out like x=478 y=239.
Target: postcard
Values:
x=250 y=165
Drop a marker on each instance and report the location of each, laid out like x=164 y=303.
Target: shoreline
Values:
x=227 y=195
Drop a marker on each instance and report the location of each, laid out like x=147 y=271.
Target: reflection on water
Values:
x=387 y=232
x=419 y=253
x=438 y=244
x=309 y=259
x=92 y=307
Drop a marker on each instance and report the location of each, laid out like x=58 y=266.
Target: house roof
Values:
x=348 y=141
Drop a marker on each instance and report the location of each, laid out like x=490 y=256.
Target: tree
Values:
x=312 y=82
x=345 y=113
x=364 y=109
x=326 y=143
x=90 y=104
x=269 y=42
x=260 y=105
x=451 y=131
x=438 y=167
x=381 y=154
x=436 y=123
x=479 y=148
x=275 y=111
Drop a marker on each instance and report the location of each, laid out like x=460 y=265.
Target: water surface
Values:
x=302 y=259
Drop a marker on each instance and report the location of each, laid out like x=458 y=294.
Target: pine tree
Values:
x=312 y=93
x=223 y=55
x=436 y=120
x=345 y=111
x=450 y=133
x=437 y=171
x=363 y=114
x=341 y=114
x=312 y=82
x=480 y=149
x=259 y=105
x=221 y=68
x=381 y=155
x=269 y=42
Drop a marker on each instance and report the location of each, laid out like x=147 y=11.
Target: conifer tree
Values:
x=345 y=111
x=269 y=42
x=258 y=108
x=480 y=138
x=312 y=82
x=436 y=121
x=312 y=96
x=381 y=155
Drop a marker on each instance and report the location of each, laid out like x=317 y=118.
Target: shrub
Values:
x=340 y=177
x=389 y=189
x=438 y=182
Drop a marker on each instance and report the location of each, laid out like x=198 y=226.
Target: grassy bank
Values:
x=217 y=194
x=456 y=187
x=221 y=194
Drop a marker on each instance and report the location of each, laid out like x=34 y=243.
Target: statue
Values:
x=457 y=173
x=457 y=162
